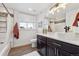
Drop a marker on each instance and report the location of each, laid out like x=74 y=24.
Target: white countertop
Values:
x=74 y=41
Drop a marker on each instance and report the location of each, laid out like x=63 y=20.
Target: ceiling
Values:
x=37 y=8
x=62 y=13
x=23 y=7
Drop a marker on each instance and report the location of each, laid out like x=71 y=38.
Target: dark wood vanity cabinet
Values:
x=56 y=47
x=63 y=53
x=51 y=51
x=41 y=45
x=52 y=47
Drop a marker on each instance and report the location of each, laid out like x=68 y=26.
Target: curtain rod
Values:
x=7 y=10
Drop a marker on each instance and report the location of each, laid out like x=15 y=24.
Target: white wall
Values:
x=25 y=35
x=59 y=27
x=41 y=18
x=9 y=27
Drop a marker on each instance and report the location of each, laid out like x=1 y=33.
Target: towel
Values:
x=16 y=31
x=76 y=20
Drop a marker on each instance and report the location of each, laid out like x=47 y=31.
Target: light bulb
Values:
x=51 y=11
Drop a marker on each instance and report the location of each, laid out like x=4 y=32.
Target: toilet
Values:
x=34 y=42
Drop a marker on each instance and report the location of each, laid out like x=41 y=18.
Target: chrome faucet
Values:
x=67 y=28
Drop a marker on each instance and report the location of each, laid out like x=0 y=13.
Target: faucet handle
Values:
x=67 y=28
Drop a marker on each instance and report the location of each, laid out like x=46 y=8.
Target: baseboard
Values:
x=21 y=46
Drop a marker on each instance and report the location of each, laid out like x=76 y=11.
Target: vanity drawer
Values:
x=53 y=42
x=41 y=38
x=71 y=48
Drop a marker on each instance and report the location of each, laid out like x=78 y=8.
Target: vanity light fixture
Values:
x=56 y=8
x=63 y=5
x=51 y=12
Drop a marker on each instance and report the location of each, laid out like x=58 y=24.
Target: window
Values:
x=28 y=25
x=23 y=25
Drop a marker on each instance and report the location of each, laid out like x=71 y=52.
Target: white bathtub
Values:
x=4 y=49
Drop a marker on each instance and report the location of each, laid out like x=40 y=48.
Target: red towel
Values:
x=76 y=20
x=16 y=31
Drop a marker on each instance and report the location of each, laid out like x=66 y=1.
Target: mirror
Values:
x=57 y=20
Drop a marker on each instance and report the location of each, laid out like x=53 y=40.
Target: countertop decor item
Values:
x=49 y=27
x=44 y=31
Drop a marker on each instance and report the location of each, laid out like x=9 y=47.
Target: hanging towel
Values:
x=16 y=31
x=76 y=20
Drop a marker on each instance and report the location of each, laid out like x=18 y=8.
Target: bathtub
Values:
x=4 y=49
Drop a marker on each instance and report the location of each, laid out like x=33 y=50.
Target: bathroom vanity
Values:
x=51 y=45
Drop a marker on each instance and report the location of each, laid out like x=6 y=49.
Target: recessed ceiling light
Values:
x=30 y=9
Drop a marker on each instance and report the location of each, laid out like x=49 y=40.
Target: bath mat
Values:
x=34 y=53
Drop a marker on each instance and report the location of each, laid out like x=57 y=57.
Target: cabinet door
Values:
x=51 y=51
x=61 y=52
x=41 y=47
x=38 y=44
